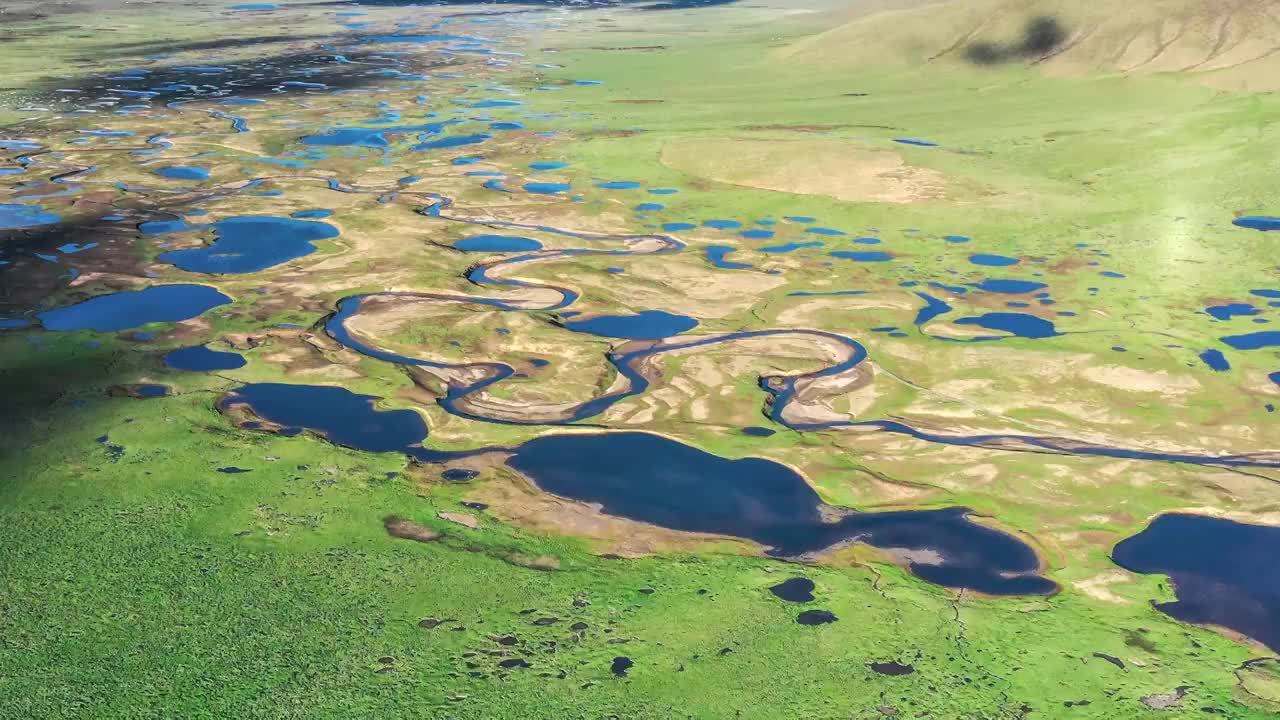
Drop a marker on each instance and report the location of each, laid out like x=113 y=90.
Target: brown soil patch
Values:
x=408 y=530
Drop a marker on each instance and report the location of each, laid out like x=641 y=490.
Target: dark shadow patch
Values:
x=1041 y=36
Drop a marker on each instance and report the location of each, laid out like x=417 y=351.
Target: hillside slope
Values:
x=1230 y=44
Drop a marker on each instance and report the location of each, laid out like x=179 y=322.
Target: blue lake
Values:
x=993 y=260
x=451 y=142
x=542 y=188
x=716 y=255
x=1230 y=310
x=862 y=256
x=1253 y=341
x=1009 y=287
x=339 y=415
x=317 y=214
x=497 y=243
x=13 y=217
x=244 y=244
x=644 y=325
x=181 y=172
x=133 y=308
x=790 y=247
x=1215 y=360
x=201 y=358
x=1019 y=324
x=1256 y=222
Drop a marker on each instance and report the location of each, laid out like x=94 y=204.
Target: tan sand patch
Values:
x=834 y=168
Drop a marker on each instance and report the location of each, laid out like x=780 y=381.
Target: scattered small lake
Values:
x=133 y=308
x=1223 y=572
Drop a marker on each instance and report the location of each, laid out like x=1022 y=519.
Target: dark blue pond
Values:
x=862 y=256
x=485 y=104
x=652 y=479
x=244 y=244
x=1224 y=572
x=755 y=234
x=993 y=260
x=723 y=224
x=912 y=141
x=1215 y=360
x=1256 y=222
x=547 y=165
x=1253 y=341
x=645 y=325
x=339 y=415
x=22 y=216
x=182 y=172
x=201 y=358
x=130 y=309
x=678 y=226
x=1019 y=324
x=825 y=231
x=619 y=185
x=497 y=243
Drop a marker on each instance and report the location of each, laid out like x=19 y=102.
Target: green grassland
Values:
x=138 y=581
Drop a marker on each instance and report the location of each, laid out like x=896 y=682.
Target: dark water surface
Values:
x=652 y=479
x=1224 y=572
